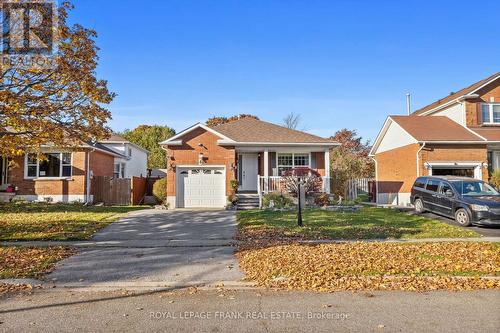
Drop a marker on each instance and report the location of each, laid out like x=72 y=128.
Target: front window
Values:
x=291 y=160
x=490 y=113
x=474 y=188
x=48 y=165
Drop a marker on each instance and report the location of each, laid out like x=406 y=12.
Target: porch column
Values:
x=326 y=179
x=266 y=170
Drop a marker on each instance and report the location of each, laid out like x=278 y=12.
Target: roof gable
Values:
x=391 y=136
x=463 y=93
x=175 y=139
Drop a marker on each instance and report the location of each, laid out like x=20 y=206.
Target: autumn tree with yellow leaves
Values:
x=56 y=104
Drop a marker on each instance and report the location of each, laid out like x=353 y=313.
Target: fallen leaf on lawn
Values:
x=374 y=266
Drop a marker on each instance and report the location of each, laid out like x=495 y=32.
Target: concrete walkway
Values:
x=153 y=248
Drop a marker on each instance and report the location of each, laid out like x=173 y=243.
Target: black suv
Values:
x=467 y=200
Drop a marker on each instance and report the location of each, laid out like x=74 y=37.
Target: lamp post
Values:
x=299 y=196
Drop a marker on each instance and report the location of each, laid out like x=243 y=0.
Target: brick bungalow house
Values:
x=203 y=160
x=457 y=135
x=63 y=175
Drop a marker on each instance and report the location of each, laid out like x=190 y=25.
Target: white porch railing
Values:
x=274 y=184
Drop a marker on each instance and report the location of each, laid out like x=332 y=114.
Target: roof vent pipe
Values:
x=408 y=104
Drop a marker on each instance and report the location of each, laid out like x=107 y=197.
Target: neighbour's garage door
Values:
x=200 y=187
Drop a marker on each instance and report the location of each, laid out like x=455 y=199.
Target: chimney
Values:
x=408 y=104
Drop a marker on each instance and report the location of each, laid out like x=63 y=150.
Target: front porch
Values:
x=260 y=170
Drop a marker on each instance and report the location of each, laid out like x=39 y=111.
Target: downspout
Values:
x=87 y=189
x=376 y=178
x=418 y=159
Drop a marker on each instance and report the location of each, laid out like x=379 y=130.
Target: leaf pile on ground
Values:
x=6 y=288
x=30 y=262
x=375 y=266
x=41 y=221
x=262 y=226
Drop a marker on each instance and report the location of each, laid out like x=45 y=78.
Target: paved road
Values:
x=252 y=311
x=156 y=248
x=485 y=231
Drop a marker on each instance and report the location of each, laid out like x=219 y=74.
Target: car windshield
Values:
x=474 y=188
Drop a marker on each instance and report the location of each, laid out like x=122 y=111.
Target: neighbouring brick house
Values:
x=63 y=175
x=457 y=135
x=203 y=160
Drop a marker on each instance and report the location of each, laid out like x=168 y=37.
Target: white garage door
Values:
x=201 y=187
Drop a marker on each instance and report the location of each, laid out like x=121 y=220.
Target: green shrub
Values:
x=234 y=184
x=495 y=178
x=280 y=200
x=160 y=190
x=233 y=199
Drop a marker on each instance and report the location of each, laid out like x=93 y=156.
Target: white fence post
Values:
x=356 y=185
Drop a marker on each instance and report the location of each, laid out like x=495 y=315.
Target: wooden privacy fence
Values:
x=118 y=191
x=138 y=189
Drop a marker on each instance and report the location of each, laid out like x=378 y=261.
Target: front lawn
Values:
x=368 y=223
x=41 y=221
x=374 y=266
x=30 y=262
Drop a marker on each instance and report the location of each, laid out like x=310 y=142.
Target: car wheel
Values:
x=419 y=206
x=462 y=217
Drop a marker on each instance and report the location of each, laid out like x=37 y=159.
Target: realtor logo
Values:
x=28 y=27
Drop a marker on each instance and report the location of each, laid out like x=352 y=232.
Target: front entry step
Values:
x=247 y=201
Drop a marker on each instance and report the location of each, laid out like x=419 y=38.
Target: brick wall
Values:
x=73 y=186
x=472 y=107
x=454 y=153
x=101 y=164
x=187 y=154
x=397 y=169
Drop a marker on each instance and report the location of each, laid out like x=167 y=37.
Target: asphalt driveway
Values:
x=154 y=248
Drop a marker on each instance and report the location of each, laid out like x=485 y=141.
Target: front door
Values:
x=249 y=172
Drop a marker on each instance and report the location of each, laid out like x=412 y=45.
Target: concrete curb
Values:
x=412 y=240
x=133 y=285
x=125 y=243
x=230 y=243
x=33 y=282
